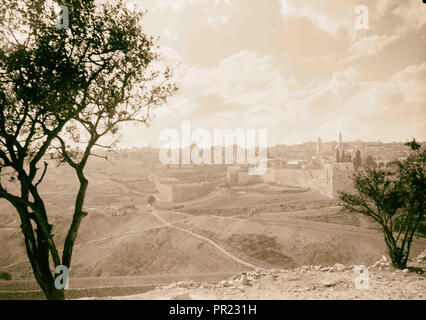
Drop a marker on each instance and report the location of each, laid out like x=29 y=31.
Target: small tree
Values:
x=151 y=200
x=357 y=160
x=5 y=275
x=63 y=92
x=395 y=198
x=413 y=144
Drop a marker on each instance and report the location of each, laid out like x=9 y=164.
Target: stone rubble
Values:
x=308 y=282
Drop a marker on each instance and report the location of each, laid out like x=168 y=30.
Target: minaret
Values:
x=340 y=138
x=319 y=147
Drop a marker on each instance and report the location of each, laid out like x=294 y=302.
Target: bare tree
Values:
x=394 y=197
x=65 y=92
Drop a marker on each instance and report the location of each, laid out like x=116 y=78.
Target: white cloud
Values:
x=297 y=97
x=328 y=15
x=370 y=45
x=389 y=110
x=413 y=15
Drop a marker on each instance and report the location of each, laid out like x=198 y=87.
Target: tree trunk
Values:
x=46 y=281
x=54 y=294
x=398 y=257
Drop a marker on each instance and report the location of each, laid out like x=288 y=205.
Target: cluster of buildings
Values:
x=328 y=176
x=322 y=173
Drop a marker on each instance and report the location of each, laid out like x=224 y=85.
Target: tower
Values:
x=339 y=149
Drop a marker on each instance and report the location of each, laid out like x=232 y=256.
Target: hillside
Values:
x=164 y=242
x=305 y=283
x=207 y=238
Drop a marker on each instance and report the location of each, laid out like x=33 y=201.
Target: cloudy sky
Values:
x=300 y=69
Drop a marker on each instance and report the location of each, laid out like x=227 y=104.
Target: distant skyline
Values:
x=297 y=68
x=294 y=144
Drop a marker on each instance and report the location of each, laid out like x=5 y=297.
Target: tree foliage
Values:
x=369 y=161
x=357 y=160
x=64 y=92
x=151 y=200
x=394 y=197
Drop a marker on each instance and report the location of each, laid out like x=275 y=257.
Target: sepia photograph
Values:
x=225 y=151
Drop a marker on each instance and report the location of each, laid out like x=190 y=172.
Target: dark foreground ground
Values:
x=99 y=287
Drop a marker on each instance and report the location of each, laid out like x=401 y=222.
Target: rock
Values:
x=243 y=281
x=339 y=267
x=405 y=271
x=181 y=296
x=225 y=284
x=170 y=286
x=329 y=283
x=380 y=263
x=421 y=257
x=208 y=285
x=325 y=269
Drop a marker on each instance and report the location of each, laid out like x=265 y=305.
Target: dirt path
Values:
x=319 y=210
x=218 y=247
x=221 y=249
x=113 y=236
x=298 y=223
x=287 y=221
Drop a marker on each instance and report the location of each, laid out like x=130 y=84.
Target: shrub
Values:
x=5 y=275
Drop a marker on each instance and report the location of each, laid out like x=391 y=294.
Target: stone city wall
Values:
x=172 y=190
x=328 y=180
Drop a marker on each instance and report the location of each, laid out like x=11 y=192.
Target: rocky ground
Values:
x=308 y=282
